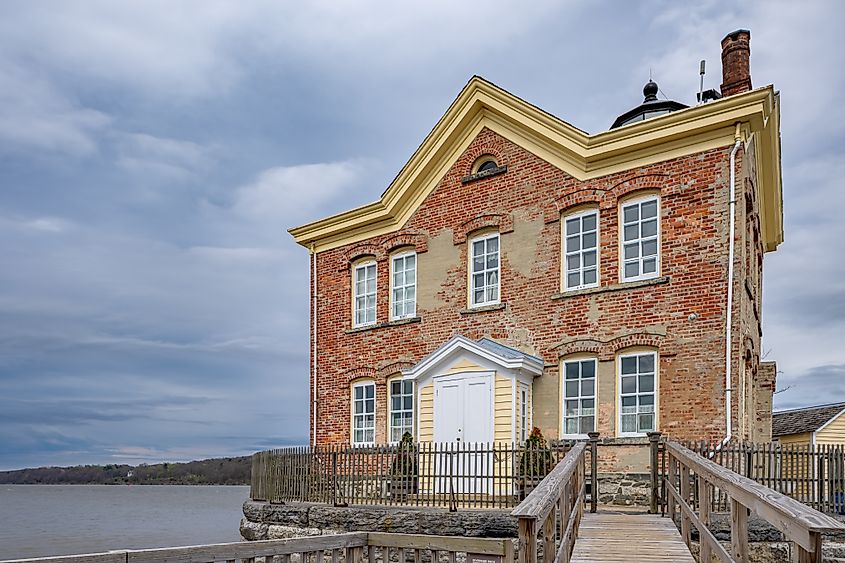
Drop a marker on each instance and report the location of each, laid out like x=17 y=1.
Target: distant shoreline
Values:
x=217 y=471
x=125 y=484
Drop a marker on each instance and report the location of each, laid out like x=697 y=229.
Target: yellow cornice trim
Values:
x=482 y=104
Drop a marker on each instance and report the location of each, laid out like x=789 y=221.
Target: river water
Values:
x=42 y=520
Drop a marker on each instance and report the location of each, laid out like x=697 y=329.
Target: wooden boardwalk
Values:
x=609 y=536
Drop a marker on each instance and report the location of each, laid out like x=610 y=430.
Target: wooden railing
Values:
x=356 y=547
x=465 y=475
x=554 y=509
x=692 y=480
x=811 y=474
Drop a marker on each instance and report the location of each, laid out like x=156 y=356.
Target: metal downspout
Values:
x=314 y=346
x=729 y=323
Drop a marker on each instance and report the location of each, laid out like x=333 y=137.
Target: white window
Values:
x=581 y=250
x=640 y=239
x=484 y=270
x=403 y=293
x=579 y=397
x=637 y=381
x=401 y=408
x=364 y=294
x=523 y=413
x=364 y=413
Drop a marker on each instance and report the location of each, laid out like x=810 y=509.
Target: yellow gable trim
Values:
x=482 y=104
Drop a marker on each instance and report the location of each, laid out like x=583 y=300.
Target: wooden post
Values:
x=703 y=500
x=508 y=557
x=565 y=506
x=549 y=551
x=814 y=556
x=685 y=498
x=820 y=476
x=594 y=470
x=654 y=444
x=739 y=531
x=670 y=499
x=527 y=540
x=334 y=478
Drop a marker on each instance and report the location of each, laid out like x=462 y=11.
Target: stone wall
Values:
x=625 y=489
x=263 y=521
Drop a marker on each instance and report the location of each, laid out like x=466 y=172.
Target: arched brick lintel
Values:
x=361 y=250
x=643 y=182
x=607 y=350
x=355 y=374
x=477 y=151
x=418 y=241
x=502 y=221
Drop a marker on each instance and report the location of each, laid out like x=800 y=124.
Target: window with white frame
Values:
x=637 y=383
x=363 y=413
x=579 y=397
x=401 y=408
x=484 y=270
x=640 y=239
x=581 y=250
x=523 y=413
x=364 y=294
x=403 y=292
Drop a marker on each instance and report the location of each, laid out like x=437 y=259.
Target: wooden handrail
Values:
x=541 y=501
x=557 y=504
x=310 y=549
x=799 y=523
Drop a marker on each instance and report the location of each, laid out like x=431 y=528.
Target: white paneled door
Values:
x=463 y=416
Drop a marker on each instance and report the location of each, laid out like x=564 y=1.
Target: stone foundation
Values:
x=624 y=489
x=263 y=520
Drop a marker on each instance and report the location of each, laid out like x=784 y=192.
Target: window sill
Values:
x=486 y=174
x=484 y=308
x=397 y=322
x=615 y=287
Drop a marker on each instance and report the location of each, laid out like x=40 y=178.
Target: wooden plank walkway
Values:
x=617 y=536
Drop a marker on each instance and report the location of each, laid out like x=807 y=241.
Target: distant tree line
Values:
x=221 y=471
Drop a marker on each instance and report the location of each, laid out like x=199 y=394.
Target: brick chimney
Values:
x=736 y=73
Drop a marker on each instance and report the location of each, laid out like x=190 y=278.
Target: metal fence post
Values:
x=654 y=444
x=594 y=470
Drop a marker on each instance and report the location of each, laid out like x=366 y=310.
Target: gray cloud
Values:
x=151 y=157
x=802 y=389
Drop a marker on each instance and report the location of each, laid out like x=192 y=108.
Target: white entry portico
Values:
x=469 y=391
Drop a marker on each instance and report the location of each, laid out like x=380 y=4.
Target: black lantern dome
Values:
x=651 y=107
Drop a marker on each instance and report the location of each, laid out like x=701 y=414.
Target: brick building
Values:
x=519 y=272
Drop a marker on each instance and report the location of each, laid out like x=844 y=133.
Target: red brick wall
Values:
x=533 y=193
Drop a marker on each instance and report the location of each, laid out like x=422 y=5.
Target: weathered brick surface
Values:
x=525 y=204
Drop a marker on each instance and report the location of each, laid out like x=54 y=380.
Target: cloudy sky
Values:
x=153 y=154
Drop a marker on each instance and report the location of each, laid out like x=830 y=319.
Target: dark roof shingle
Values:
x=807 y=419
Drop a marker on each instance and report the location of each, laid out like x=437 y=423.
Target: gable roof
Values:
x=499 y=354
x=805 y=419
x=482 y=104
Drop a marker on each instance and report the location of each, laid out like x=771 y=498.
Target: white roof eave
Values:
x=431 y=361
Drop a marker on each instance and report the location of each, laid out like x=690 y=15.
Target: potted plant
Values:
x=535 y=462
x=403 y=470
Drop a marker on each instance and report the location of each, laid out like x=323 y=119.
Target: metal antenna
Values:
x=701 y=87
